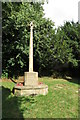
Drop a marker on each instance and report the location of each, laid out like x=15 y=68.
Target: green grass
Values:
x=60 y=102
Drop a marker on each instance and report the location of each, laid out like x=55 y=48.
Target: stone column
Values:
x=31 y=49
x=31 y=78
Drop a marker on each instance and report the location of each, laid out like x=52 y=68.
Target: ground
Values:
x=60 y=102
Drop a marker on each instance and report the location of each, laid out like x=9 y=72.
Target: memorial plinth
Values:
x=31 y=86
x=31 y=78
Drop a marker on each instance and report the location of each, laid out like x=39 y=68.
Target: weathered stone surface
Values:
x=31 y=78
x=31 y=48
x=28 y=90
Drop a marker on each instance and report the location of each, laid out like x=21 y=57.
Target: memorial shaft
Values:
x=31 y=49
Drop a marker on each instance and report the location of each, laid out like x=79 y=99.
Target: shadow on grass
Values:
x=73 y=80
x=10 y=105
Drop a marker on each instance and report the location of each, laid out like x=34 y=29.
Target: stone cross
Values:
x=31 y=86
x=31 y=48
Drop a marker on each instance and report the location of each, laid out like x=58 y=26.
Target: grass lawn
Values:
x=60 y=102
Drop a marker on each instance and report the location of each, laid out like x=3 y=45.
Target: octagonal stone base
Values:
x=31 y=90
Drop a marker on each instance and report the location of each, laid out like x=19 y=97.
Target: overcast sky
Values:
x=61 y=10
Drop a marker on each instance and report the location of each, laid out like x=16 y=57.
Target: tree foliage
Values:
x=54 y=50
x=68 y=45
x=16 y=35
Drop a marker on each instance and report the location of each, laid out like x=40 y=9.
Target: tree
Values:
x=16 y=35
x=67 y=46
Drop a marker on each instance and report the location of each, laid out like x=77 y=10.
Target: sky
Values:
x=60 y=11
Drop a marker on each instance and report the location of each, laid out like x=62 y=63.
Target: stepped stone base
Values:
x=31 y=90
x=31 y=86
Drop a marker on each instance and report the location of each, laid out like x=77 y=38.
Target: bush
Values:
x=4 y=75
x=57 y=74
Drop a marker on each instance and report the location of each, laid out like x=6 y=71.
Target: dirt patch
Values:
x=19 y=80
x=5 y=80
